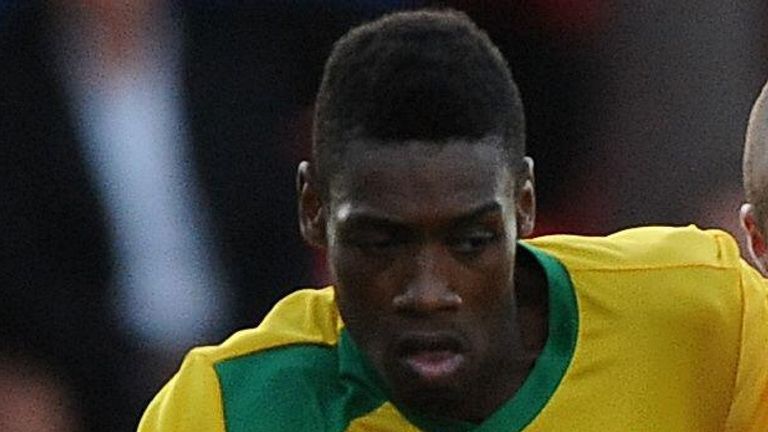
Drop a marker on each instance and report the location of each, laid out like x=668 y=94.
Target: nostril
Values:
x=426 y=301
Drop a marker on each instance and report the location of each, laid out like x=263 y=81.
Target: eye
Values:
x=382 y=243
x=473 y=241
x=375 y=241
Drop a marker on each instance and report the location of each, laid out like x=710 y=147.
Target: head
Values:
x=754 y=213
x=418 y=190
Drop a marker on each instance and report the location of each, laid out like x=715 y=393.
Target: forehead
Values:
x=418 y=180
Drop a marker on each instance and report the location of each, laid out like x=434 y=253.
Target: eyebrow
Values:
x=477 y=213
x=372 y=218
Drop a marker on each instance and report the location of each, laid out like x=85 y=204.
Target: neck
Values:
x=528 y=329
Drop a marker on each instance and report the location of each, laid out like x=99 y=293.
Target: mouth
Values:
x=432 y=358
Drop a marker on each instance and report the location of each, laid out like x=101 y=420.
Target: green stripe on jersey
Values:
x=554 y=359
x=292 y=388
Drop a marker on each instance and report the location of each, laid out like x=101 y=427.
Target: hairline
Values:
x=512 y=155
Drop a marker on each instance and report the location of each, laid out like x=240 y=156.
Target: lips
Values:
x=432 y=358
x=434 y=366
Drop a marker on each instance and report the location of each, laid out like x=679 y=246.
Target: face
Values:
x=421 y=245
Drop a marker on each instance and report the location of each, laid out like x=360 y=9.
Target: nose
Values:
x=428 y=289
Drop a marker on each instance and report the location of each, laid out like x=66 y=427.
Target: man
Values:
x=439 y=318
x=752 y=214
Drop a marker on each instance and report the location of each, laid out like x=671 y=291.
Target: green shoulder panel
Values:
x=292 y=388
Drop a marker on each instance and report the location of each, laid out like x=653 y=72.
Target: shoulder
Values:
x=680 y=275
x=256 y=372
x=307 y=316
x=652 y=247
x=674 y=293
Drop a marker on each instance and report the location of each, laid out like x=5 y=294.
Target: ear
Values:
x=754 y=236
x=526 y=199
x=312 y=214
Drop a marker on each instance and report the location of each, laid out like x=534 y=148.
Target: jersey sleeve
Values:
x=749 y=409
x=191 y=400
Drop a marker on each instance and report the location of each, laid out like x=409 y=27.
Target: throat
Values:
x=505 y=373
x=504 y=381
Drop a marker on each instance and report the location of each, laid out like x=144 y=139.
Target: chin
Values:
x=445 y=402
x=430 y=395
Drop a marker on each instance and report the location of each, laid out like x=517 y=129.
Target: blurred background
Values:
x=148 y=150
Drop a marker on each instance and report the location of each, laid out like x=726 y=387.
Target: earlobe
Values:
x=311 y=212
x=526 y=200
x=754 y=236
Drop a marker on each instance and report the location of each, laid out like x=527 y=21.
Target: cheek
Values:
x=489 y=283
x=364 y=294
x=363 y=285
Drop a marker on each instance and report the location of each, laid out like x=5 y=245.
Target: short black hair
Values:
x=428 y=75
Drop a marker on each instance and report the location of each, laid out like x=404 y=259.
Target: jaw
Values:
x=444 y=399
x=450 y=385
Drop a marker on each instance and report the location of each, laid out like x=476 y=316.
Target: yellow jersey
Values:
x=650 y=329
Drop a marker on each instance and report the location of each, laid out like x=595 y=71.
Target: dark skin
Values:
x=421 y=243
